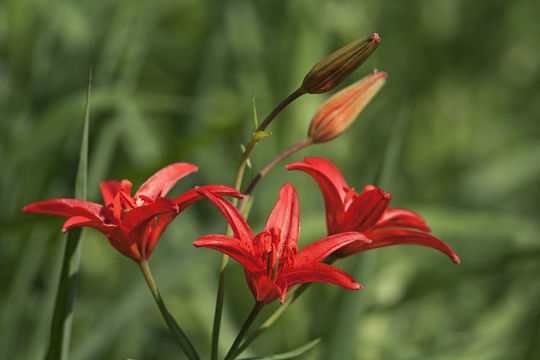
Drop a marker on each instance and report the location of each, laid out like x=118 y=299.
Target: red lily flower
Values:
x=133 y=225
x=367 y=212
x=271 y=260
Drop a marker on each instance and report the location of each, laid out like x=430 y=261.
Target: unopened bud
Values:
x=338 y=112
x=333 y=69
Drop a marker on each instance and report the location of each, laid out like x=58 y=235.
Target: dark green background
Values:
x=454 y=135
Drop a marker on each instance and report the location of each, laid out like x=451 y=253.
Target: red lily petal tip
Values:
x=456 y=259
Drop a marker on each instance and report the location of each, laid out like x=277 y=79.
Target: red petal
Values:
x=66 y=207
x=234 y=248
x=161 y=182
x=135 y=217
x=240 y=227
x=164 y=221
x=333 y=187
x=109 y=189
x=75 y=221
x=286 y=217
x=320 y=249
x=400 y=237
x=366 y=209
x=192 y=196
x=322 y=273
x=401 y=218
x=263 y=288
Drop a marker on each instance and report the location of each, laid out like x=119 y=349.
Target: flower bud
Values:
x=338 y=112
x=333 y=69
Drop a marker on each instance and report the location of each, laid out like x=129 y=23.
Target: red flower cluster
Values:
x=271 y=260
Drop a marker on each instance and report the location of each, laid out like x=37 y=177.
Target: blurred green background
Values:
x=454 y=135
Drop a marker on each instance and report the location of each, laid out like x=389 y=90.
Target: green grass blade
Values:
x=62 y=317
x=289 y=354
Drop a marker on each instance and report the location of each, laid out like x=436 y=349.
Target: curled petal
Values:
x=161 y=182
x=154 y=235
x=322 y=273
x=333 y=187
x=401 y=218
x=109 y=189
x=320 y=249
x=400 y=237
x=234 y=248
x=238 y=224
x=366 y=209
x=99 y=225
x=286 y=217
x=192 y=196
x=263 y=288
x=66 y=207
x=134 y=217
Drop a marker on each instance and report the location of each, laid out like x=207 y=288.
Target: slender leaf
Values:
x=63 y=308
x=289 y=354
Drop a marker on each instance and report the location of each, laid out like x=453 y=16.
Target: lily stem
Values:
x=219 y=305
x=280 y=310
x=237 y=185
x=174 y=328
x=234 y=350
x=296 y=147
x=289 y=99
x=245 y=156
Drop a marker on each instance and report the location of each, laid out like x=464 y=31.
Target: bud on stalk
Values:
x=333 y=69
x=338 y=112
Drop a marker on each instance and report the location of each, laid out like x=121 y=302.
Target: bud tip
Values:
x=375 y=38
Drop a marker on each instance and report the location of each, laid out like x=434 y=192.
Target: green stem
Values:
x=289 y=99
x=273 y=317
x=237 y=185
x=296 y=147
x=174 y=328
x=234 y=350
x=280 y=310
x=219 y=306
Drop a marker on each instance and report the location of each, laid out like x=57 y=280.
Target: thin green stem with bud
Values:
x=295 y=148
x=174 y=328
x=280 y=310
x=255 y=138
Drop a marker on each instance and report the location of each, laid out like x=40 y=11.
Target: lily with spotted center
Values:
x=271 y=259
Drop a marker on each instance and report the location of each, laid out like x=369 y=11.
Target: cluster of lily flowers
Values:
x=272 y=262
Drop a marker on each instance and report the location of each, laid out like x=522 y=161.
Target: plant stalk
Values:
x=174 y=328
x=280 y=310
x=296 y=147
x=237 y=185
x=234 y=350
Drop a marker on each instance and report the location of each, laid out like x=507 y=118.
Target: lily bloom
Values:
x=133 y=225
x=271 y=260
x=367 y=212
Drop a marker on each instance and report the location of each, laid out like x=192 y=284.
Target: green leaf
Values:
x=290 y=354
x=255 y=117
x=63 y=308
x=259 y=135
